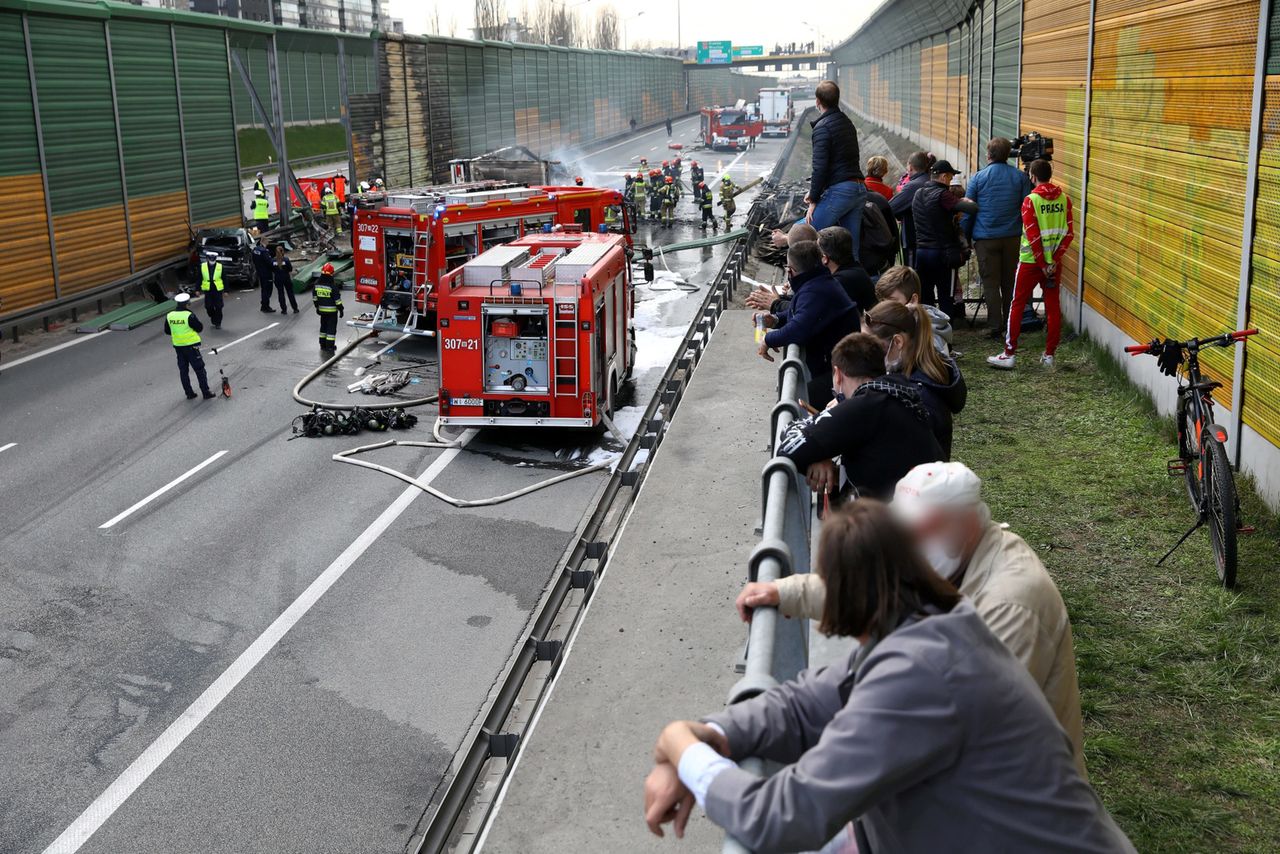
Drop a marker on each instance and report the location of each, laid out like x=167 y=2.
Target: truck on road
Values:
x=777 y=110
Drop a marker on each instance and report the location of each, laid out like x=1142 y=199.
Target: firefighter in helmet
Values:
x=327 y=299
x=666 y=169
x=695 y=173
x=637 y=194
x=707 y=205
x=329 y=205
x=655 y=193
x=644 y=164
x=577 y=182
x=261 y=210
x=668 y=200
x=727 y=191
x=677 y=172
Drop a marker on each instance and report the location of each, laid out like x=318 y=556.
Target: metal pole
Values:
x=991 y=79
x=44 y=166
x=1017 y=92
x=344 y=107
x=277 y=107
x=1250 y=224
x=115 y=112
x=306 y=83
x=1084 y=172
x=182 y=126
x=235 y=131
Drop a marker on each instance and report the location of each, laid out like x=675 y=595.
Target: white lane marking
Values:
x=222 y=347
x=733 y=163
x=631 y=140
x=64 y=345
x=105 y=805
x=4 y=448
x=161 y=491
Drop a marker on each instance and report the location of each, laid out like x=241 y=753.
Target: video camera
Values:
x=1032 y=146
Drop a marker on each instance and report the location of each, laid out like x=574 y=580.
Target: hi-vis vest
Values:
x=330 y=202
x=727 y=189
x=180 y=328
x=216 y=277
x=1051 y=216
x=610 y=215
x=261 y=210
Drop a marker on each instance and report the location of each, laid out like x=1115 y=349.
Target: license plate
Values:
x=468 y=401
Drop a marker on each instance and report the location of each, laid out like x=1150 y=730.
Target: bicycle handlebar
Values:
x=1194 y=344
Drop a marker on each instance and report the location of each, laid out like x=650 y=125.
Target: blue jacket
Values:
x=999 y=190
x=835 y=153
x=819 y=315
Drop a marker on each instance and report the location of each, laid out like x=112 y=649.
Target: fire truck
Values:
x=404 y=242
x=729 y=128
x=537 y=332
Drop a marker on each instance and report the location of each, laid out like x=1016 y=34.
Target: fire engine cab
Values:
x=730 y=128
x=406 y=241
x=537 y=332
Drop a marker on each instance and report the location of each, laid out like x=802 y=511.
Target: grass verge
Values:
x=1179 y=679
x=303 y=141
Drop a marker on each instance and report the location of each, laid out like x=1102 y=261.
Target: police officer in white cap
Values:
x=183 y=329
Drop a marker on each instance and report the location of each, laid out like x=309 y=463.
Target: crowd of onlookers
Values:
x=955 y=723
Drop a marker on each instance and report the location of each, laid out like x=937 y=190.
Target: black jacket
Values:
x=901 y=207
x=933 y=213
x=262 y=263
x=942 y=400
x=283 y=271
x=818 y=315
x=835 y=152
x=857 y=286
x=880 y=433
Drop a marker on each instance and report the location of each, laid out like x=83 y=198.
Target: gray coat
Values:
x=937 y=738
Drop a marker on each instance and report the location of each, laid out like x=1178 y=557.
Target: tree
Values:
x=606 y=35
x=437 y=26
x=491 y=15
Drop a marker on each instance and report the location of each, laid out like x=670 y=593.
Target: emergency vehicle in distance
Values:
x=777 y=111
x=406 y=240
x=537 y=332
x=729 y=128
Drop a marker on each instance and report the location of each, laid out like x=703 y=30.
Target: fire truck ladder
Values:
x=565 y=349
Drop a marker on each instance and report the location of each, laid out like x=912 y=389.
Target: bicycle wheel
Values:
x=1220 y=488
x=1188 y=451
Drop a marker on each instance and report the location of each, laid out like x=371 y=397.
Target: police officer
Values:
x=668 y=201
x=282 y=273
x=261 y=210
x=211 y=284
x=262 y=267
x=727 y=191
x=329 y=205
x=259 y=183
x=183 y=329
x=695 y=173
x=327 y=299
x=707 y=205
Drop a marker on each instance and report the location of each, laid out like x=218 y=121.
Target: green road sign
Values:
x=715 y=53
x=748 y=50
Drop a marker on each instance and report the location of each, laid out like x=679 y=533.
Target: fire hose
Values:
x=440 y=441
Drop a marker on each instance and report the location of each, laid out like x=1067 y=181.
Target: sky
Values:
x=744 y=22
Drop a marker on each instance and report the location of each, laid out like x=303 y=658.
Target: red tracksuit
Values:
x=1032 y=273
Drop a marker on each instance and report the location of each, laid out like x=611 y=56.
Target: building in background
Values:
x=343 y=16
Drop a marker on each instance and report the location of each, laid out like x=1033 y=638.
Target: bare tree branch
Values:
x=607 y=29
x=490 y=17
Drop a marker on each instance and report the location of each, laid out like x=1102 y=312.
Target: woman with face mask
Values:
x=907 y=333
x=877 y=426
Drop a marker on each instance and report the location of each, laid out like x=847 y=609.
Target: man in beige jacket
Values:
x=992 y=566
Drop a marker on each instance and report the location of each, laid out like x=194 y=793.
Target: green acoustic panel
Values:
x=214 y=185
x=17 y=119
x=147 y=98
x=75 y=113
x=252 y=50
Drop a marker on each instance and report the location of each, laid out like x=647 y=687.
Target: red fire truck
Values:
x=537 y=332
x=408 y=239
x=729 y=128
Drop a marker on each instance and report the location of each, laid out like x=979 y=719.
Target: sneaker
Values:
x=1047 y=361
x=1004 y=361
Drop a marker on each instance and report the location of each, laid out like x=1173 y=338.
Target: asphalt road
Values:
x=279 y=652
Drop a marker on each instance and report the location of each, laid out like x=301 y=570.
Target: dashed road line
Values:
x=119 y=517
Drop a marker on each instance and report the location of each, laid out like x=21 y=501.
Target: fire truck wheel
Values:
x=613 y=394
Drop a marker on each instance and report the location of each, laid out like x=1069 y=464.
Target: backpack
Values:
x=877 y=244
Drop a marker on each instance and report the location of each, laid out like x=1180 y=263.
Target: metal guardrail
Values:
x=777 y=648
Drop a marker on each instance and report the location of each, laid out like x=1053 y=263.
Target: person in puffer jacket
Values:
x=907 y=333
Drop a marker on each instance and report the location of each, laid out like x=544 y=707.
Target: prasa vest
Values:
x=206 y=278
x=180 y=330
x=1051 y=215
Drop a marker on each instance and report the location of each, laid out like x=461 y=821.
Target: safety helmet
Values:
x=327 y=269
x=666 y=163
x=640 y=175
x=377 y=182
x=724 y=178
x=693 y=162
x=670 y=179
x=259 y=174
x=702 y=185
x=364 y=186
x=578 y=180
x=260 y=194
x=182 y=298
x=327 y=188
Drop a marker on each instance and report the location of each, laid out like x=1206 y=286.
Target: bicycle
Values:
x=1202 y=455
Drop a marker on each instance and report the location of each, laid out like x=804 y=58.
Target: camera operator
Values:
x=996 y=229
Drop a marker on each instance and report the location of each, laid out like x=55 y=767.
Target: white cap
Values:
x=182 y=298
x=259 y=174
x=932 y=486
x=955 y=180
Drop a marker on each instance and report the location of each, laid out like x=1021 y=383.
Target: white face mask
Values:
x=938 y=553
x=892 y=364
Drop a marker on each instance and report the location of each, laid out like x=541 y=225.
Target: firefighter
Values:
x=707 y=205
x=261 y=210
x=644 y=164
x=668 y=201
x=677 y=167
x=183 y=329
x=379 y=186
x=695 y=173
x=260 y=183
x=577 y=182
x=327 y=299
x=727 y=191
x=637 y=195
x=666 y=169
x=610 y=217
x=655 y=193
x=329 y=205
x=211 y=284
